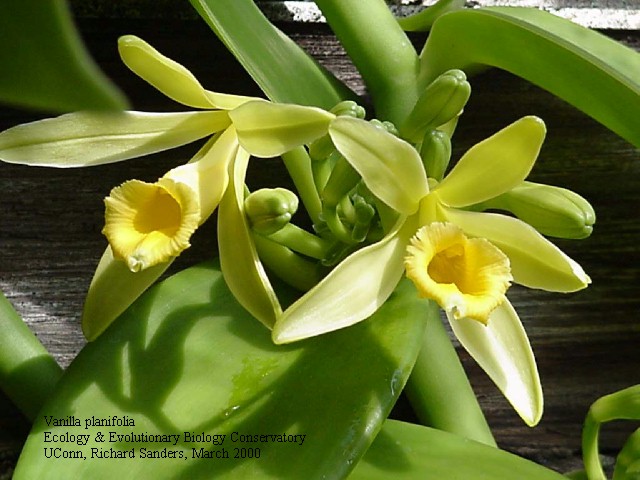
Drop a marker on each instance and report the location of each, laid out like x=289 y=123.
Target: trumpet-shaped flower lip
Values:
x=495 y=165
x=150 y=223
x=171 y=78
x=466 y=277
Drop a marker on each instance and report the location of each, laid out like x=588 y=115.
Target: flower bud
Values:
x=349 y=108
x=553 y=211
x=442 y=101
x=270 y=209
x=436 y=152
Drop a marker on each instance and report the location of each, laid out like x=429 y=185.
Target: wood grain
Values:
x=586 y=343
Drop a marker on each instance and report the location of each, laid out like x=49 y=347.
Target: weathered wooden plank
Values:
x=602 y=14
x=586 y=343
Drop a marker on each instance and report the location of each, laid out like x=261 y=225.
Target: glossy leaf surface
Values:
x=44 y=63
x=278 y=65
x=403 y=451
x=592 y=72
x=187 y=358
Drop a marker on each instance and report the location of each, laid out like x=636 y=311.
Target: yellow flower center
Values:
x=467 y=277
x=159 y=212
x=150 y=223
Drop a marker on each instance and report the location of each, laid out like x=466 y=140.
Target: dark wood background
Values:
x=587 y=343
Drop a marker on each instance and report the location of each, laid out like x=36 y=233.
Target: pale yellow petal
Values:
x=207 y=174
x=83 y=139
x=494 y=165
x=503 y=351
x=389 y=166
x=535 y=261
x=242 y=269
x=268 y=129
x=113 y=289
x=352 y=292
x=171 y=78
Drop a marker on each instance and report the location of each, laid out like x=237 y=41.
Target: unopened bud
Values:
x=349 y=108
x=385 y=125
x=436 y=153
x=553 y=211
x=270 y=209
x=364 y=214
x=442 y=101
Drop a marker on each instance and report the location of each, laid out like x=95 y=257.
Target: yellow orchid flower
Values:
x=447 y=260
x=148 y=225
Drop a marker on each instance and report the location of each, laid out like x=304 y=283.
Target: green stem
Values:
x=590 y=454
x=287 y=265
x=298 y=165
x=28 y=373
x=301 y=241
x=380 y=50
x=439 y=389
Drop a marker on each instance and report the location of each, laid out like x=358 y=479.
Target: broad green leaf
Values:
x=495 y=165
x=535 y=261
x=351 y=292
x=267 y=129
x=241 y=266
x=171 y=78
x=187 y=358
x=44 y=62
x=278 y=65
x=389 y=166
x=83 y=139
x=592 y=72
x=502 y=350
x=403 y=451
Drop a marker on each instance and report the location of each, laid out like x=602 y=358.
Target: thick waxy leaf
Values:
x=241 y=266
x=278 y=65
x=495 y=165
x=502 y=350
x=353 y=290
x=45 y=64
x=403 y=451
x=89 y=138
x=171 y=78
x=186 y=358
x=592 y=72
x=535 y=261
x=390 y=167
x=268 y=129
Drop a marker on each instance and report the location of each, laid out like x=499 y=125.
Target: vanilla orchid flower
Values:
x=149 y=224
x=464 y=260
